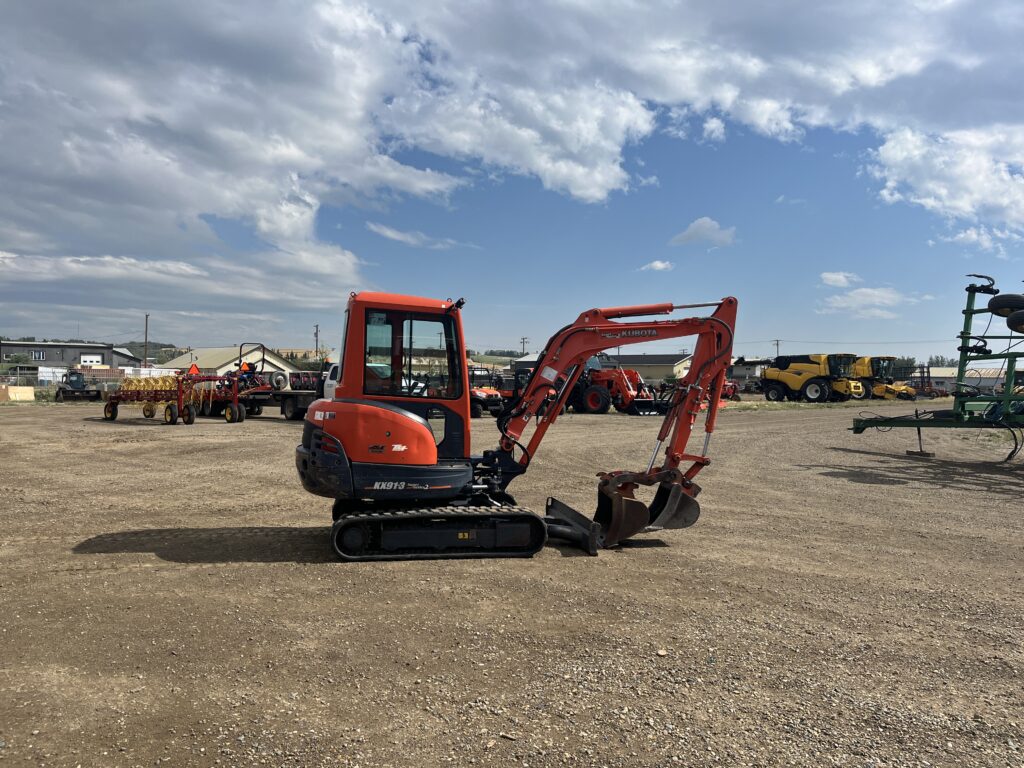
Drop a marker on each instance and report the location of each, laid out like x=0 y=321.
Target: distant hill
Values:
x=161 y=350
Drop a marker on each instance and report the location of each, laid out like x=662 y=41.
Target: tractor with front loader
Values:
x=391 y=449
x=601 y=387
x=73 y=386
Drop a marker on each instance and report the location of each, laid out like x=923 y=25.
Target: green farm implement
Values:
x=997 y=407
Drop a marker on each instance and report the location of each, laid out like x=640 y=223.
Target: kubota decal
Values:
x=627 y=333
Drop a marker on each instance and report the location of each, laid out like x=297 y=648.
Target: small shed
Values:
x=986 y=379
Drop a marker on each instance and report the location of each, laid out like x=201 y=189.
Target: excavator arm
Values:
x=671 y=468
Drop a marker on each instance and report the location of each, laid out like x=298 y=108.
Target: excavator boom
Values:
x=671 y=468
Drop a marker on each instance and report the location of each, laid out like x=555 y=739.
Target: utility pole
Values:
x=145 y=343
x=777 y=346
x=523 y=341
x=316 y=340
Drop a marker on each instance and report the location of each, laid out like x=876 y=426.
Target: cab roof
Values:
x=400 y=301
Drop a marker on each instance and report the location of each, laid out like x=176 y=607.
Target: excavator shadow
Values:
x=258 y=544
x=568 y=550
x=895 y=469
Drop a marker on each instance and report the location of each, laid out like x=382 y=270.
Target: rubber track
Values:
x=457 y=518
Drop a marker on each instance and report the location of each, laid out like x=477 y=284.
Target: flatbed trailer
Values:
x=293 y=393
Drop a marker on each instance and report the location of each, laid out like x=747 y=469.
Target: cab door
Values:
x=414 y=361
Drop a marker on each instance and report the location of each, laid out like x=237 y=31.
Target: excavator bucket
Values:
x=673 y=507
x=620 y=515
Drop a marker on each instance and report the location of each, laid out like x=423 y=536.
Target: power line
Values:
x=847 y=341
x=118 y=335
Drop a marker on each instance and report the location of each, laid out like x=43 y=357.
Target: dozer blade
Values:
x=613 y=522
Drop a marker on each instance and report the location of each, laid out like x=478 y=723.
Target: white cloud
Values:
x=986 y=239
x=705 y=229
x=714 y=129
x=658 y=266
x=839 y=279
x=125 y=134
x=869 y=303
x=962 y=175
x=415 y=238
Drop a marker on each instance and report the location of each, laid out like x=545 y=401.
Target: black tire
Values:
x=171 y=413
x=242 y=412
x=188 y=416
x=867 y=394
x=596 y=399
x=278 y=380
x=289 y=409
x=148 y=410
x=110 y=411
x=206 y=408
x=1015 y=322
x=230 y=413
x=816 y=391
x=476 y=409
x=1005 y=304
x=256 y=410
x=774 y=393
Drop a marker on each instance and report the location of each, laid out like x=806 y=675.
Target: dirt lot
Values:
x=167 y=595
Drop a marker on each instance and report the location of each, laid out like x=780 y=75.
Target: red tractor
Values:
x=601 y=388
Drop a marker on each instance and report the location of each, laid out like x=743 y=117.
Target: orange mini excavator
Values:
x=392 y=447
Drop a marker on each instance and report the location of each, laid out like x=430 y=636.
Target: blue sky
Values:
x=528 y=260
x=836 y=167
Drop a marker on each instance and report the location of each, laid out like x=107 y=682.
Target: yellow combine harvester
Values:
x=876 y=376
x=814 y=378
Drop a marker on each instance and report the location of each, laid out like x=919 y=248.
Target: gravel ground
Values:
x=168 y=597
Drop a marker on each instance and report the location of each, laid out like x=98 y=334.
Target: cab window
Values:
x=409 y=355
